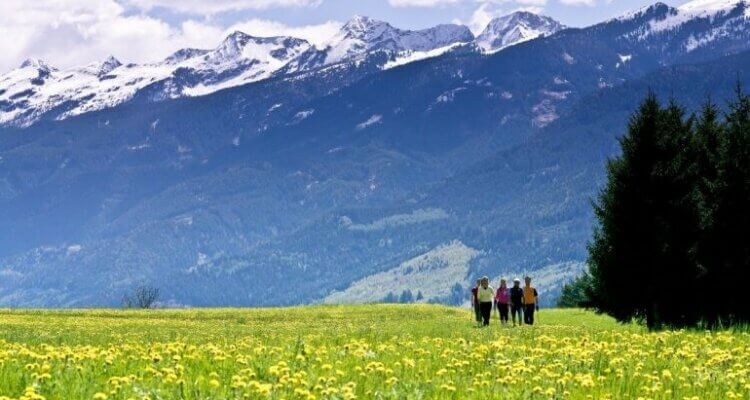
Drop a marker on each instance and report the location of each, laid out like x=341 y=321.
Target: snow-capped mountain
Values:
x=35 y=88
x=691 y=26
x=363 y=35
x=515 y=28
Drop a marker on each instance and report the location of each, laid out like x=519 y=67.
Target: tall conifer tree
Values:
x=640 y=258
x=730 y=217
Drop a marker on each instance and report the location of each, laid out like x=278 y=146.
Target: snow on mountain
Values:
x=103 y=67
x=406 y=57
x=36 y=88
x=693 y=10
x=362 y=35
x=691 y=26
x=710 y=7
x=639 y=12
x=515 y=28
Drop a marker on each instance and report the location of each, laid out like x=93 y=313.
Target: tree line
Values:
x=671 y=246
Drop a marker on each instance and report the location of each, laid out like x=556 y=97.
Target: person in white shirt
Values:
x=485 y=296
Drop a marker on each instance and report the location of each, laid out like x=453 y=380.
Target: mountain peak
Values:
x=514 y=28
x=231 y=47
x=364 y=28
x=35 y=63
x=100 y=68
x=109 y=64
x=709 y=6
x=648 y=11
x=361 y=22
x=236 y=39
x=184 y=54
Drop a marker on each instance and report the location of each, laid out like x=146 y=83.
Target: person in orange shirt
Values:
x=530 y=302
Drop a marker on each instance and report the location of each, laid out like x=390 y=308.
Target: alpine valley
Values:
x=386 y=163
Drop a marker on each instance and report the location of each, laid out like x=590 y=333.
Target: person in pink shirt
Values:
x=502 y=301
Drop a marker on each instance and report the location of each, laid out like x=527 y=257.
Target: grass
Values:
x=365 y=352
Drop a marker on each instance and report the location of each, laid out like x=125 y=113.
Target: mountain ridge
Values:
x=239 y=59
x=327 y=179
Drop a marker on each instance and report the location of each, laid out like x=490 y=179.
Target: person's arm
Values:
x=536 y=298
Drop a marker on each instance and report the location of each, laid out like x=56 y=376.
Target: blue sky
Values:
x=66 y=33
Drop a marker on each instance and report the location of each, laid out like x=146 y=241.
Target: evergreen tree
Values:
x=406 y=297
x=574 y=293
x=647 y=222
x=457 y=295
x=709 y=134
x=390 y=298
x=729 y=218
x=420 y=296
x=677 y=218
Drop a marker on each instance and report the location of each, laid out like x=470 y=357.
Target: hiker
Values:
x=485 y=295
x=475 y=303
x=502 y=300
x=516 y=301
x=530 y=301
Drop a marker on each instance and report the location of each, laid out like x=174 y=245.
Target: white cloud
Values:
x=208 y=7
x=538 y=3
x=589 y=3
x=531 y=8
x=77 y=32
x=483 y=15
x=421 y=3
x=511 y=2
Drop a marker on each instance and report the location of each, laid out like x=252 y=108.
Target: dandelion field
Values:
x=362 y=352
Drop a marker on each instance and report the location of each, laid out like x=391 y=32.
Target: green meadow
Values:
x=358 y=352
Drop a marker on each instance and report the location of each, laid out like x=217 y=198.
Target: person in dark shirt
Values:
x=516 y=301
x=475 y=303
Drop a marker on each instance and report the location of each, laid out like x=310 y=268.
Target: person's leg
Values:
x=486 y=313
x=503 y=313
x=515 y=310
x=528 y=314
x=478 y=314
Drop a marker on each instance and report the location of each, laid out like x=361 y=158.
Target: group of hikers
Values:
x=520 y=301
